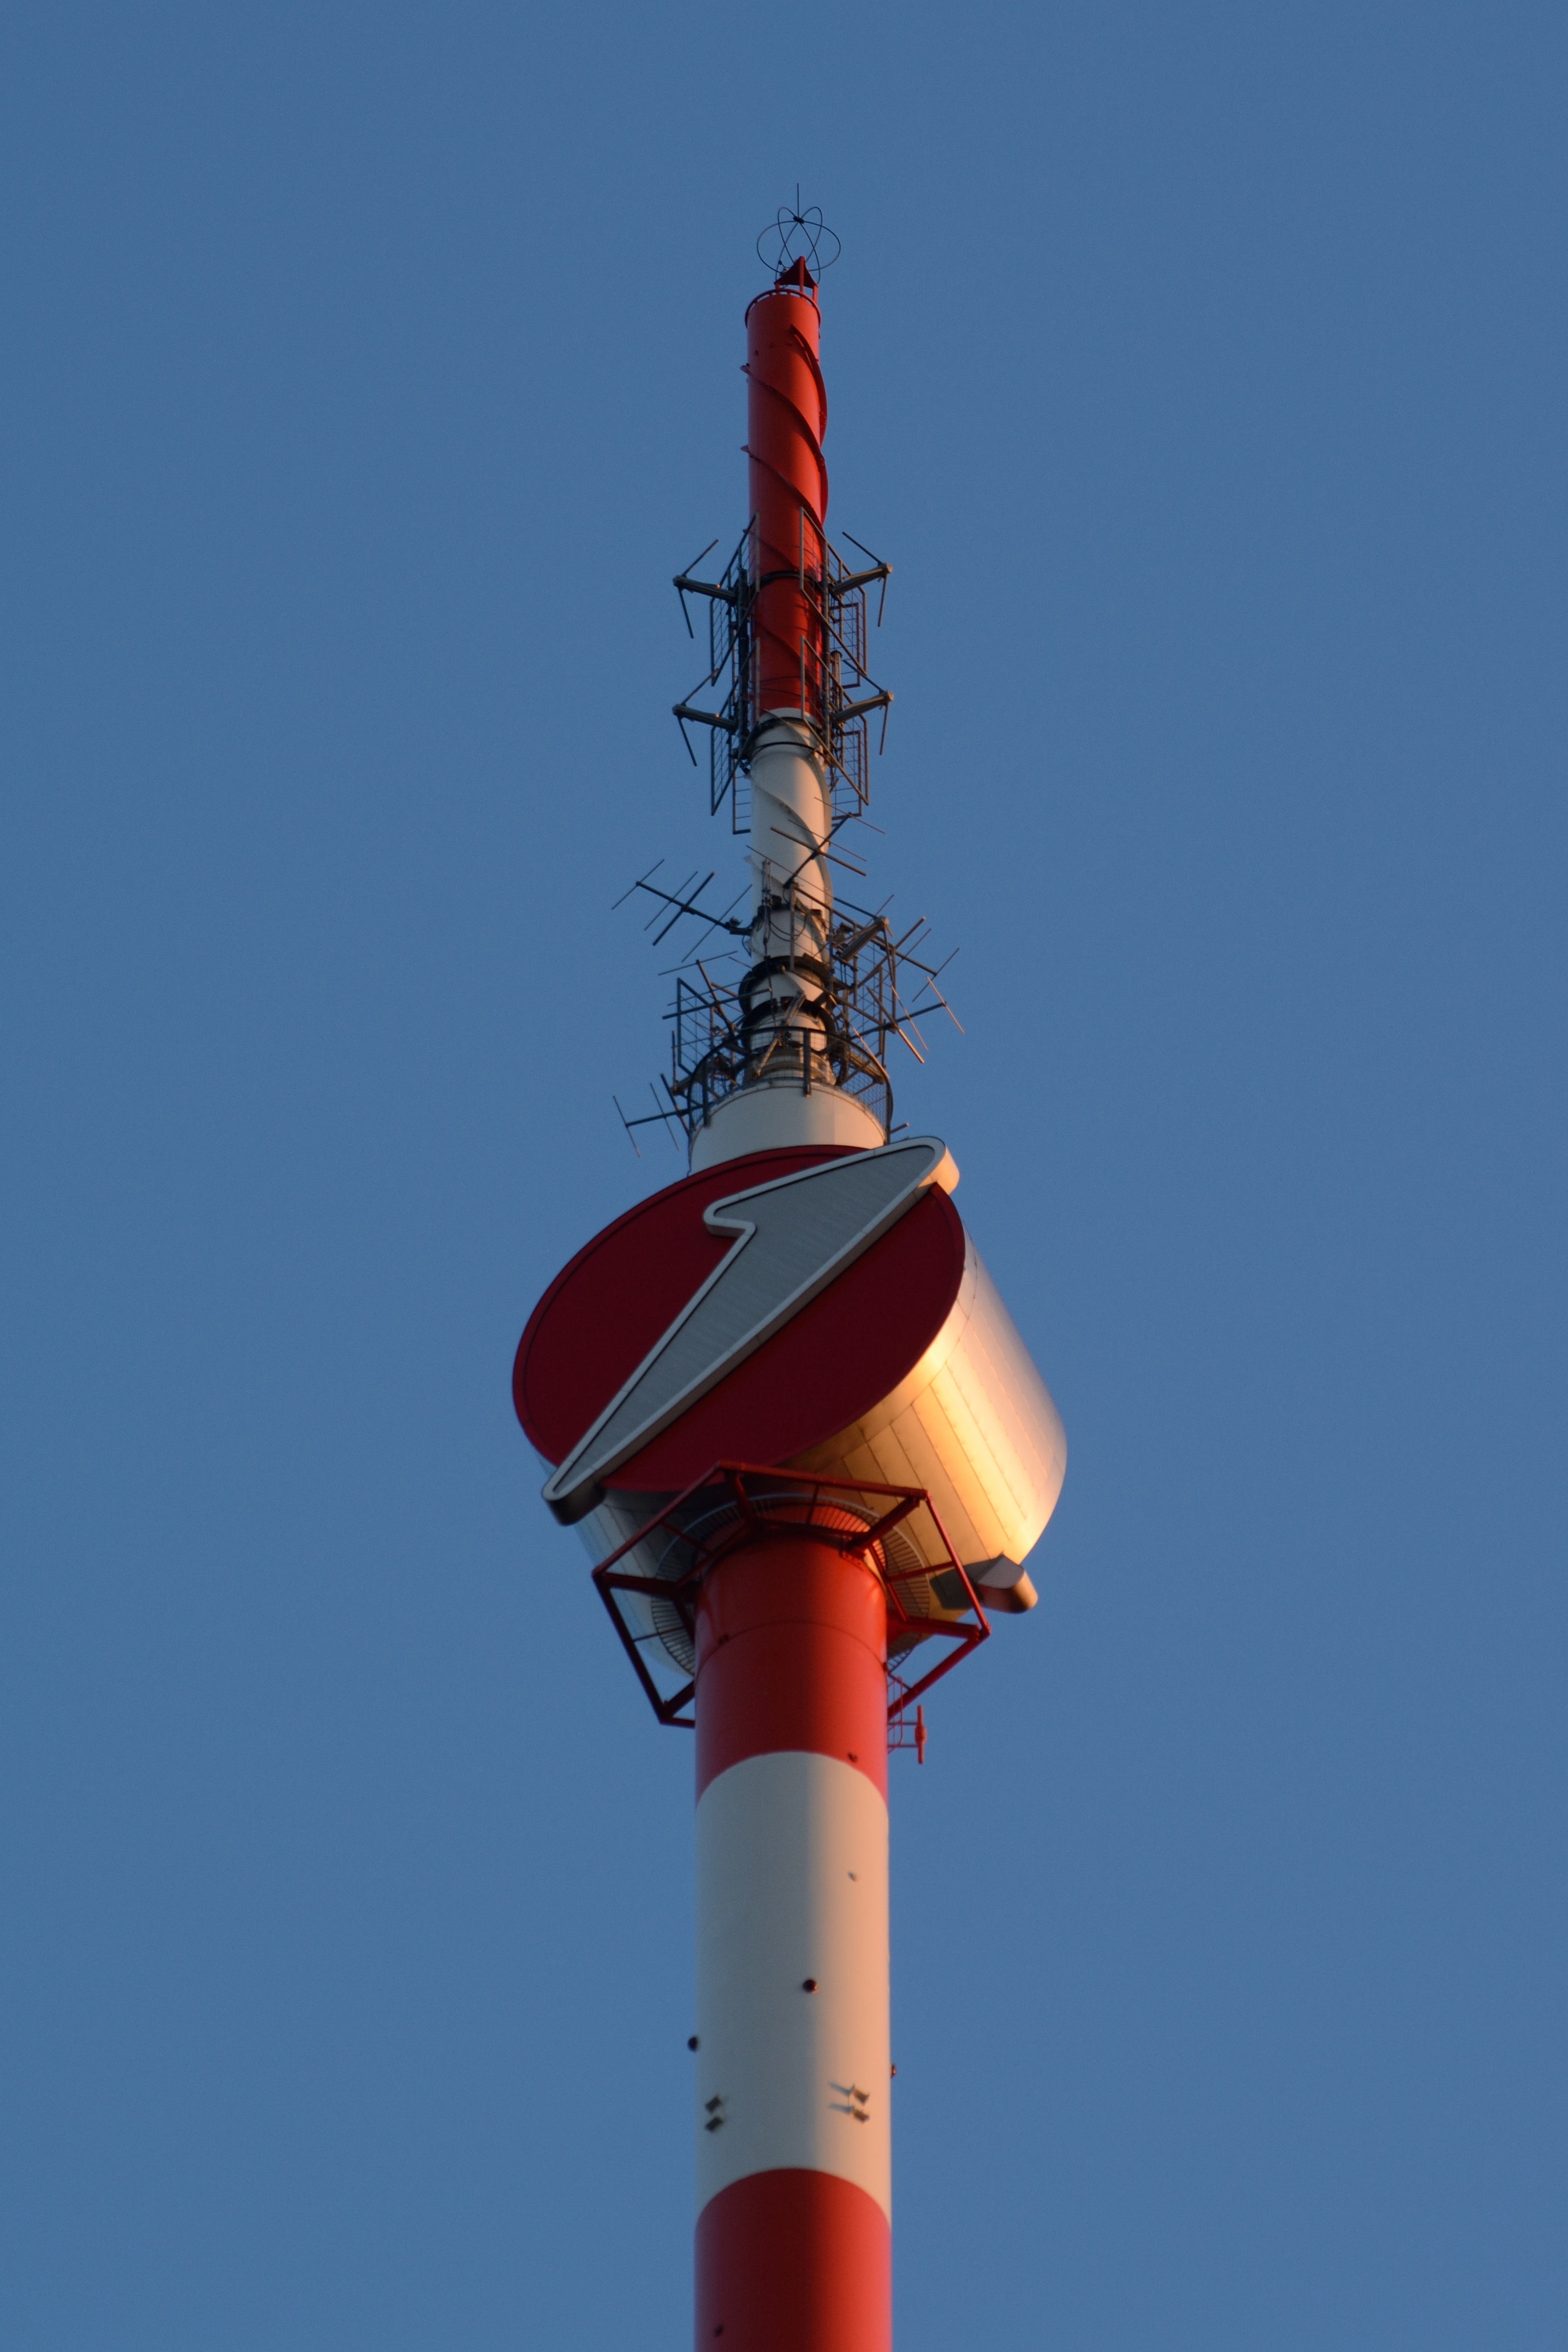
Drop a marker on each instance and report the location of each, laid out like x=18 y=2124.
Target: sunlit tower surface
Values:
x=784 y=1405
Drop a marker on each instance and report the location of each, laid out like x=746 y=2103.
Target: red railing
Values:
x=758 y=1516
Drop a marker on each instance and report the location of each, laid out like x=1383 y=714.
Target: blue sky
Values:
x=369 y=371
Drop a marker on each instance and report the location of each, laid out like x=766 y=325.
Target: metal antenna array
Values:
x=876 y=985
x=837 y=692
x=801 y=990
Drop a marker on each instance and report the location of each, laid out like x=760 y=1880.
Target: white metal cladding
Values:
x=611 y=1524
x=763 y=1117
x=973 y=1424
x=792 y=1884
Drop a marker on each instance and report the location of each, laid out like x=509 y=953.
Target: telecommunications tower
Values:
x=784 y=1405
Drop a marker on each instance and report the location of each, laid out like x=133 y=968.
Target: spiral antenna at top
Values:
x=793 y=235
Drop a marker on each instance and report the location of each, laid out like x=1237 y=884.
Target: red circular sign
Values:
x=833 y=1361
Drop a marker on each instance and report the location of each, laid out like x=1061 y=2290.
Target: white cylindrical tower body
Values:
x=792 y=1891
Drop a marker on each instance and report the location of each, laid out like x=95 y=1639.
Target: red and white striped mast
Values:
x=788 y=1410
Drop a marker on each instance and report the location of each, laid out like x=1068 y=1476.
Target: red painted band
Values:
x=792 y=1645
x=793 y=2262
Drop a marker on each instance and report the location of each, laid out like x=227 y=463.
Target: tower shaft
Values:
x=786 y=1408
x=793 y=2145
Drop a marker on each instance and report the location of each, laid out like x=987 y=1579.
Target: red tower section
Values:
x=786 y=422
